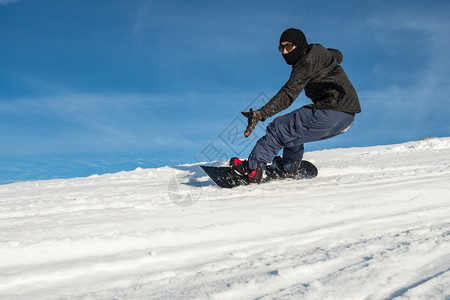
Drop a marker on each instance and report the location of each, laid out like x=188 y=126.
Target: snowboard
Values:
x=223 y=177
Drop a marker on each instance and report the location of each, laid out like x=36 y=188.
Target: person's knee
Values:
x=271 y=128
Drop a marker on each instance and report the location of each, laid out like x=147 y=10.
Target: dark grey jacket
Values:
x=318 y=73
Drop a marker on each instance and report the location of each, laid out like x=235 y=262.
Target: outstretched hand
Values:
x=253 y=116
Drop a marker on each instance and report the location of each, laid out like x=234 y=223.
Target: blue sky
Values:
x=102 y=86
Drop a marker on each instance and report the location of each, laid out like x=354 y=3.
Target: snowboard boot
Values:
x=293 y=170
x=255 y=176
x=239 y=167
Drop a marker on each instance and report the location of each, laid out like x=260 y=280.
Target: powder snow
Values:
x=375 y=224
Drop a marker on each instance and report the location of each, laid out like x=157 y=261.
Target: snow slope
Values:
x=375 y=224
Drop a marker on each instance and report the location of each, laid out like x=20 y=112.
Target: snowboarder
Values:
x=316 y=70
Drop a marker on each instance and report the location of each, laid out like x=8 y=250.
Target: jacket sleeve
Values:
x=336 y=54
x=300 y=76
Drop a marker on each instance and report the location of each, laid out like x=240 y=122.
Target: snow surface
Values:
x=375 y=224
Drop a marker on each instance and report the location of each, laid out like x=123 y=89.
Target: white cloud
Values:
x=431 y=33
x=69 y=122
x=5 y=2
x=409 y=98
x=140 y=20
x=432 y=61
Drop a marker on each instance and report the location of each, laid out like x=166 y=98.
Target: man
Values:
x=316 y=70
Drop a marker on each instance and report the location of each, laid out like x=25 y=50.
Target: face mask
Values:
x=292 y=57
x=297 y=37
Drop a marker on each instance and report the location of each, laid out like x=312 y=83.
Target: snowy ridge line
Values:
x=433 y=144
x=425 y=144
x=375 y=224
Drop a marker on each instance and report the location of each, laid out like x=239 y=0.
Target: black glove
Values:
x=253 y=116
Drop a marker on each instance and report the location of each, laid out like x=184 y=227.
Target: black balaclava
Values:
x=297 y=37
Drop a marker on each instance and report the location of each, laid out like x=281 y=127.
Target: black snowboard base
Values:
x=223 y=177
